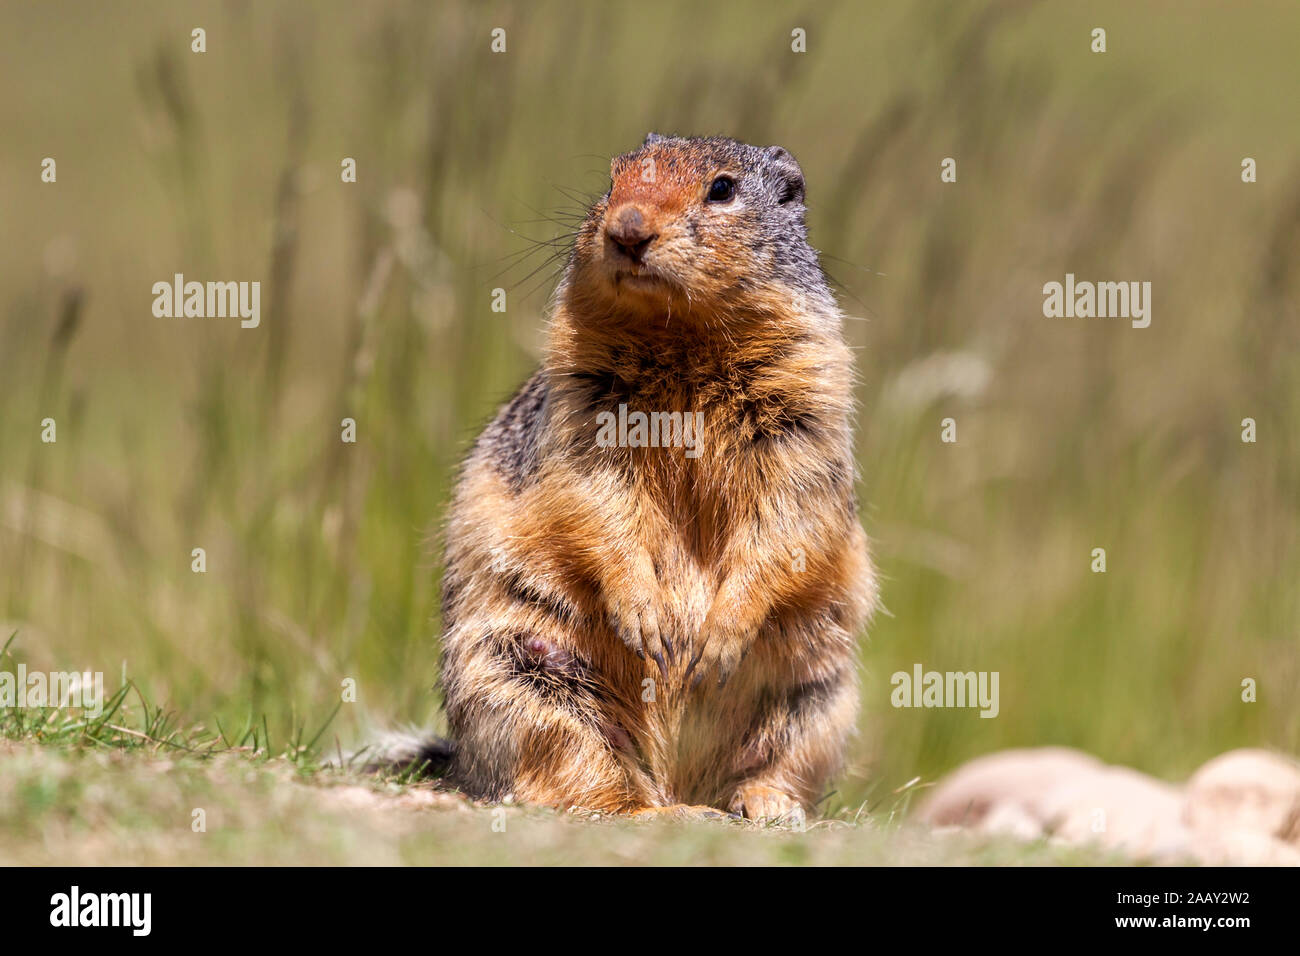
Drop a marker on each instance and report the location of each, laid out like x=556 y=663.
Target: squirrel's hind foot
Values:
x=764 y=804
x=681 y=812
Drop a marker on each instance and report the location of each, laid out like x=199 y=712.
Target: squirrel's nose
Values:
x=628 y=229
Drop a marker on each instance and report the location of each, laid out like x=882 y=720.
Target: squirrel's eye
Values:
x=722 y=189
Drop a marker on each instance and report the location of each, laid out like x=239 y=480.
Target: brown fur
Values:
x=630 y=628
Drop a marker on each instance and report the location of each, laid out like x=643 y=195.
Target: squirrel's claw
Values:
x=728 y=631
x=663 y=667
x=638 y=628
x=721 y=653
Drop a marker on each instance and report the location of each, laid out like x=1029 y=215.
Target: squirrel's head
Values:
x=708 y=226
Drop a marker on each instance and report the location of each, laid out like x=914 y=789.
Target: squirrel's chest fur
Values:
x=744 y=416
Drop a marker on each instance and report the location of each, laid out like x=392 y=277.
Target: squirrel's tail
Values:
x=404 y=751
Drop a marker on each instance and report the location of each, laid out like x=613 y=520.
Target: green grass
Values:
x=132 y=787
x=321 y=556
x=116 y=808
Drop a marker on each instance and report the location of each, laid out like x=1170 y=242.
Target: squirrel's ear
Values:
x=788 y=174
x=653 y=138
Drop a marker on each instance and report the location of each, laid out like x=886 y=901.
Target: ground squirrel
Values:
x=644 y=626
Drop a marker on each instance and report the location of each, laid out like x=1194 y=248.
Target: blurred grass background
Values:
x=1072 y=434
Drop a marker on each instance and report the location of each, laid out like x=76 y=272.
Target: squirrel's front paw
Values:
x=767 y=805
x=722 y=645
x=637 y=625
